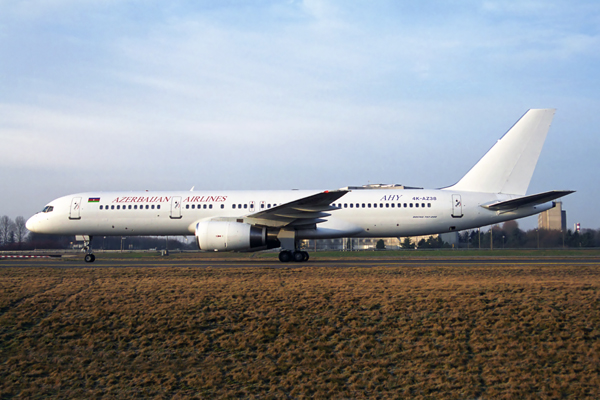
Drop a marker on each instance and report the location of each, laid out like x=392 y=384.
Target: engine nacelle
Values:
x=224 y=235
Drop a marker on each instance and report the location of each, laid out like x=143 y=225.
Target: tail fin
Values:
x=508 y=166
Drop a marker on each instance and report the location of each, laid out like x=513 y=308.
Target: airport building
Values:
x=554 y=219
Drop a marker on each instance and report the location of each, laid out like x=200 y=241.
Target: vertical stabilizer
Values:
x=508 y=166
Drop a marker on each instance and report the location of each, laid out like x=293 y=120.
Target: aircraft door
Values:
x=75 y=208
x=176 y=207
x=252 y=209
x=456 y=206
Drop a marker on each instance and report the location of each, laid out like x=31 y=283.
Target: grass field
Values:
x=399 y=332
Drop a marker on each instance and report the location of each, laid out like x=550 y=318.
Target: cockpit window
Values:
x=48 y=209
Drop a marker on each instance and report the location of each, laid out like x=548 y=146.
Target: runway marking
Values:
x=22 y=256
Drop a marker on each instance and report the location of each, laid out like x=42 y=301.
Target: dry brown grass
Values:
x=415 y=332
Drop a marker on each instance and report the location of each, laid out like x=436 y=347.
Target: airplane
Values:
x=493 y=191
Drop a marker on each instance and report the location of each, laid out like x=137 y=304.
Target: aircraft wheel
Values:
x=285 y=256
x=299 y=256
x=89 y=258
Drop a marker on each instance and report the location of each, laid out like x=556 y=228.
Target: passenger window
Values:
x=118 y=207
x=380 y=205
x=262 y=205
x=387 y=205
x=411 y=204
x=363 y=204
x=268 y=206
x=222 y=205
x=392 y=205
x=369 y=205
x=417 y=205
x=146 y=206
x=135 y=207
x=187 y=206
x=112 y=207
x=204 y=206
x=233 y=206
x=158 y=207
x=423 y=205
x=345 y=205
x=101 y=207
x=405 y=205
x=351 y=205
x=210 y=206
x=245 y=205
x=152 y=206
x=429 y=205
x=129 y=207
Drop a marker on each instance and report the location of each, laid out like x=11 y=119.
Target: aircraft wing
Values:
x=305 y=211
x=527 y=201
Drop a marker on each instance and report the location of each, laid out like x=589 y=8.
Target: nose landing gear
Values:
x=87 y=247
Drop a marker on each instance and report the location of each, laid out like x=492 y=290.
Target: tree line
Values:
x=509 y=235
x=12 y=233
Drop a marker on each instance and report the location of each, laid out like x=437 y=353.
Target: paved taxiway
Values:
x=274 y=263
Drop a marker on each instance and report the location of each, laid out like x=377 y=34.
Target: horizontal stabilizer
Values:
x=528 y=201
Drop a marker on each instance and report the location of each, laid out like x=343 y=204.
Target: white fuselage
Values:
x=359 y=213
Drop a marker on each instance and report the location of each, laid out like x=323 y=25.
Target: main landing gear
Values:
x=287 y=238
x=87 y=247
x=297 y=256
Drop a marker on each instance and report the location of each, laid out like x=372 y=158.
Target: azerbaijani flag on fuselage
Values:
x=94 y=200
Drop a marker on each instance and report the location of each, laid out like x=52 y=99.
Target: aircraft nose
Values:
x=31 y=223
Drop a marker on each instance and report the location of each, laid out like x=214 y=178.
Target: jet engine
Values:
x=227 y=236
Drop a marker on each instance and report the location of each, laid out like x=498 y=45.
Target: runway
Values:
x=77 y=262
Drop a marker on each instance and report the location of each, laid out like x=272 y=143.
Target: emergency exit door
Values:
x=75 y=208
x=456 y=206
x=176 y=207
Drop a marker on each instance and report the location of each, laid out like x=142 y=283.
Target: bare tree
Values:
x=5 y=229
x=20 y=229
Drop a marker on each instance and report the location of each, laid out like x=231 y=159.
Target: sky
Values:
x=104 y=95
